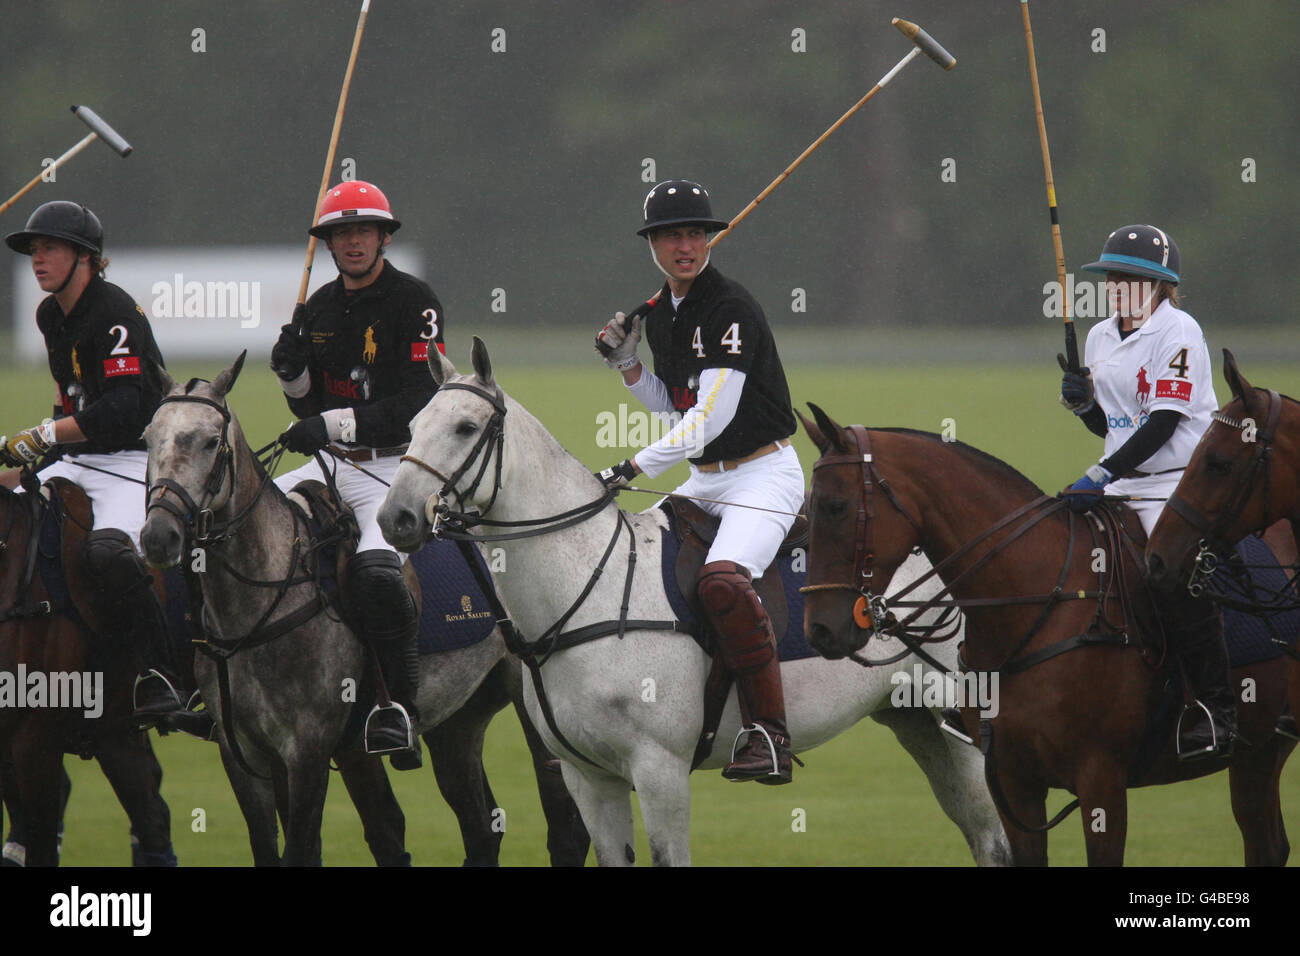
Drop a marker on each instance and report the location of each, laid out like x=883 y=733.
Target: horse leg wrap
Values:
x=748 y=648
x=387 y=619
x=125 y=602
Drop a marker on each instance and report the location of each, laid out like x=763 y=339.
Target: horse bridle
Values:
x=1212 y=531
x=494 y=431
x=196 y=517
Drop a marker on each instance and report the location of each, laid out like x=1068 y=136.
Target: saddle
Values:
x=696 y=529
x=695 y=532
x=333 y=533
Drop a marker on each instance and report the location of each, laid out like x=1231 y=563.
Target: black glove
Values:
x=307 y=436
x=1076 y=388
x=617 y=476
x=291 y=354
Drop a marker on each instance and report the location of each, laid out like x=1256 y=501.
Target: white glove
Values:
x=617 y=343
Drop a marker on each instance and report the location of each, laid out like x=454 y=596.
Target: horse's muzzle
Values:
x=402 y=527
x=161 y=540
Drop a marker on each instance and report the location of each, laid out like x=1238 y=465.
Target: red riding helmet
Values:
x=354 y=201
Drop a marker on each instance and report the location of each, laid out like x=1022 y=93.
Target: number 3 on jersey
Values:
x=431 y=332
x=730 y=338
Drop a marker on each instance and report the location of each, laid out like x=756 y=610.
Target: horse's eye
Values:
x=212 y=444
x=833 y=508
x=1219 y=466
x=465 y=429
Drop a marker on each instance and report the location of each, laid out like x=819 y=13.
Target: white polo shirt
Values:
x=1163 y=364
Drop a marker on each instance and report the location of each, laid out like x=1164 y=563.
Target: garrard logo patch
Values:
x=130 y=365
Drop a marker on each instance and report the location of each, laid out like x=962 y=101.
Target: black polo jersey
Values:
x=102 y=356
x=369 y=350
x=720 y=325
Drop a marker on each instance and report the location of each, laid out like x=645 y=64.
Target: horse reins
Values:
x=456 y=526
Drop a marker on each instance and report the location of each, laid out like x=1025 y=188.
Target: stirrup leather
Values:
x=406 y=719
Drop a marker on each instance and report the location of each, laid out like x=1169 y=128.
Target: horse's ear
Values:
x=225 y=381
x=1236 y=381
x=813 y=431
x=440 y=366
x=832 y=434
x=165 y=380
x=482 y=363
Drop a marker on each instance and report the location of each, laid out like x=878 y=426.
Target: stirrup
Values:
x=951 y=723
x=406 y=719
x=1213 y=749
x=771 y=749
x=153 y=712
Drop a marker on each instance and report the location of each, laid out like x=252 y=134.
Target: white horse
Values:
x=623 y=738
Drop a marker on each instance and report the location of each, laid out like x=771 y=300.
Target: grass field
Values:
x=865 y=801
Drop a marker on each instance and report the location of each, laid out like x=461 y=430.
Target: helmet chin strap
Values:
x=379 y=254
x=71 y=272
x=658 y=265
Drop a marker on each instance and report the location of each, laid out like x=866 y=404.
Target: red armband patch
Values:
x=121 y=366
x=419 y=351
x=1173 y=388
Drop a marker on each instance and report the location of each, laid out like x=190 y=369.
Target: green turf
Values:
x=864 y=801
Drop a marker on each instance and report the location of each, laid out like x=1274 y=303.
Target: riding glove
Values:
x=618 y=340
x=1083 y=495
x=618 y=476
x=1076 y=388
x=291 y=353
x=307 y=436
x=28 y=445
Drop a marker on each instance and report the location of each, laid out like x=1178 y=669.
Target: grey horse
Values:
x=281 y=671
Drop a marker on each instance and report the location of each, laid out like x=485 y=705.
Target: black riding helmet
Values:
x=678 y=202
x=68 y=221
x=1140 y=251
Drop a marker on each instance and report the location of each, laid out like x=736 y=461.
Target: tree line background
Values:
x=521 y=169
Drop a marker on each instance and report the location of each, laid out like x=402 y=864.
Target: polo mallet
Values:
x=924 y=43
x=1071 y=342
x=98 y=130
x=329 y=155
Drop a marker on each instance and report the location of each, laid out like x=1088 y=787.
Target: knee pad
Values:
x=115 y=570
x=381 y=604
x=733 y=607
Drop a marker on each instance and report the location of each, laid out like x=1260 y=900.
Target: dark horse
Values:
x=50 y=635
x=281 y=670
x=1055 y=611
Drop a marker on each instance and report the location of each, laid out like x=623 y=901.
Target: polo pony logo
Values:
x=76 y=366
x=1144 y=386
x=371 y=349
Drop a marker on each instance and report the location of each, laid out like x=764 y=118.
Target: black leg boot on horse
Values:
x=388 y=620
x=125 y=602
x=1207 y=727
x=749 y=651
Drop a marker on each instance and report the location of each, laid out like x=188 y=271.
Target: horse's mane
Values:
x=970 y=451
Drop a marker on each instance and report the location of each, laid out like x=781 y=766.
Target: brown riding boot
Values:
x=748 y=649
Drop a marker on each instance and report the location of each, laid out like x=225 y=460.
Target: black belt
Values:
x=368 y=454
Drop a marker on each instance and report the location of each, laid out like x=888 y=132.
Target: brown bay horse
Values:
x=1056 y=612
x=45 y=640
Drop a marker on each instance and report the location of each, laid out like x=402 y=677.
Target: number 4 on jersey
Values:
x=730 y=338
x=1179 y=364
